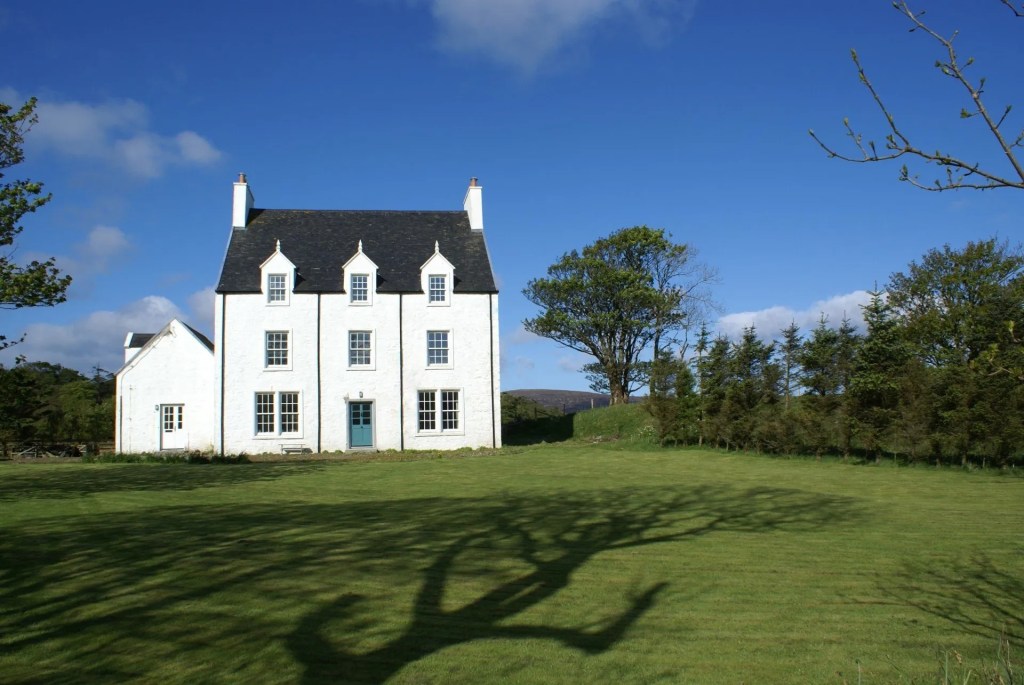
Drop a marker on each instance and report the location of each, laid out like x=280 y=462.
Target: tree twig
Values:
x=959 y=172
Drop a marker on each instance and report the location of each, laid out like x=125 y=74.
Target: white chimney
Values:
x=474 y=205
x=243 y=202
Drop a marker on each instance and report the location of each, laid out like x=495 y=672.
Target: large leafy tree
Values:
x=622 y=295
x=958 y=307
x=38 y=283
x=957 y=303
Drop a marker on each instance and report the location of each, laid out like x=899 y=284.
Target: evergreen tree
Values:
x=822 y=380
x=878 y=370
x=714 y=378
x=789 y=421
x=752 y=392
x=672 y=402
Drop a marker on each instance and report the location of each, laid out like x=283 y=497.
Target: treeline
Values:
x=42 y=403
x=937 y=373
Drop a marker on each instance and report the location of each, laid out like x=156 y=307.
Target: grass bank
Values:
x=572 y=563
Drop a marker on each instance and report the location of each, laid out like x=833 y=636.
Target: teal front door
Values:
x=360 y=424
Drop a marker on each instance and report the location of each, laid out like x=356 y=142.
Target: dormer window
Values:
x=359 y=274
x=437 y=276
x=277 y=288
x=277 y=274
x=359 y=288
x=438 y=288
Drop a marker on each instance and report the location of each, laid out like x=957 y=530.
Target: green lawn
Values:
x=563 y=563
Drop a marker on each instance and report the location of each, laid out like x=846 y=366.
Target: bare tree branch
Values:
x=959 y=173
x=1017 y=12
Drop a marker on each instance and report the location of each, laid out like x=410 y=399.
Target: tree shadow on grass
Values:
x=349 y=592
x=977 y=595
x=77 y=480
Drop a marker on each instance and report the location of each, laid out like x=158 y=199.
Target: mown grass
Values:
x=561 y=563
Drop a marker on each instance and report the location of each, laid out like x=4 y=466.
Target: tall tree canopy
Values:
x=38 y=283
x=957 y=303
x=630 y=291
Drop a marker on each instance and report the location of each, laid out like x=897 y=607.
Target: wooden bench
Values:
x=295 y=449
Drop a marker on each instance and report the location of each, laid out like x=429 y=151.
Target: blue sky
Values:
x=579 y=117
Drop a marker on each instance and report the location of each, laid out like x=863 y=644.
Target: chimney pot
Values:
x=242 y=203
x=474 y=204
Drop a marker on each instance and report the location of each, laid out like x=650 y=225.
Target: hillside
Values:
x=566 y=401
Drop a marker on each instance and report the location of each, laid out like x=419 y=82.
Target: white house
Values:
x=165 y=391
x=341 y=330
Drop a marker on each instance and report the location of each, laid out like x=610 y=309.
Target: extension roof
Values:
x=139 y=339
x=147 y=340
x=199 y=336
x=319 y=242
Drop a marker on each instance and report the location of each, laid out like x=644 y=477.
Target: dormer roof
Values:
x=321 y=242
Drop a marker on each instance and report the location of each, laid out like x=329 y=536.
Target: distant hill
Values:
x=567 y=401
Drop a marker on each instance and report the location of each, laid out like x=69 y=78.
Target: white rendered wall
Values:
x=471 y=319
x=175 y=369
x=241 y=340
x=341 y=383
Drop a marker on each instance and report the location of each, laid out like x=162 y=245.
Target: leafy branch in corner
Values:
x=38 y=283
x=959 y=173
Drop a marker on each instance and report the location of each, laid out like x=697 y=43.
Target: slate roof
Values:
x=202 y=338
x=139 y=339
x=319 y=242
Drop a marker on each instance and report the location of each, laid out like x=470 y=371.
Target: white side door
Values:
x=172 y=427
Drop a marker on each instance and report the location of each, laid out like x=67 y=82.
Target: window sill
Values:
x=278 y=436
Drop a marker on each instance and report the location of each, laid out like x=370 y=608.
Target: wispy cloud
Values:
x=525 y=34
x=520 y=336
x=97 y=339
x=769 y=322
x=96 y=255
x=117 y=132
x=200 y=305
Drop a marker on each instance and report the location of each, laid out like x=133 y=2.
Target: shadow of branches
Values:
x=976 y=595
x=76 y=480
x=349 y=592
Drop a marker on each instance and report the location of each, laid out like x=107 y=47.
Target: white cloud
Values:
x=115 y=131
x=524 y=34
x=572 y=363
x=516 y=366
x=103 y=245
x=91 y=257
x=192 y=147
x=200 y=304
x=520 y=336
x=772 y=320
x=97 y=339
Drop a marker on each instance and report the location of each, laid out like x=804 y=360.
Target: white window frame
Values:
x=435 y=412
x=279 y=402
x=447 y=363
x=438 y=297
x=367 y=292
x=283 y=291
x=288 y=349
x=371 y=350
